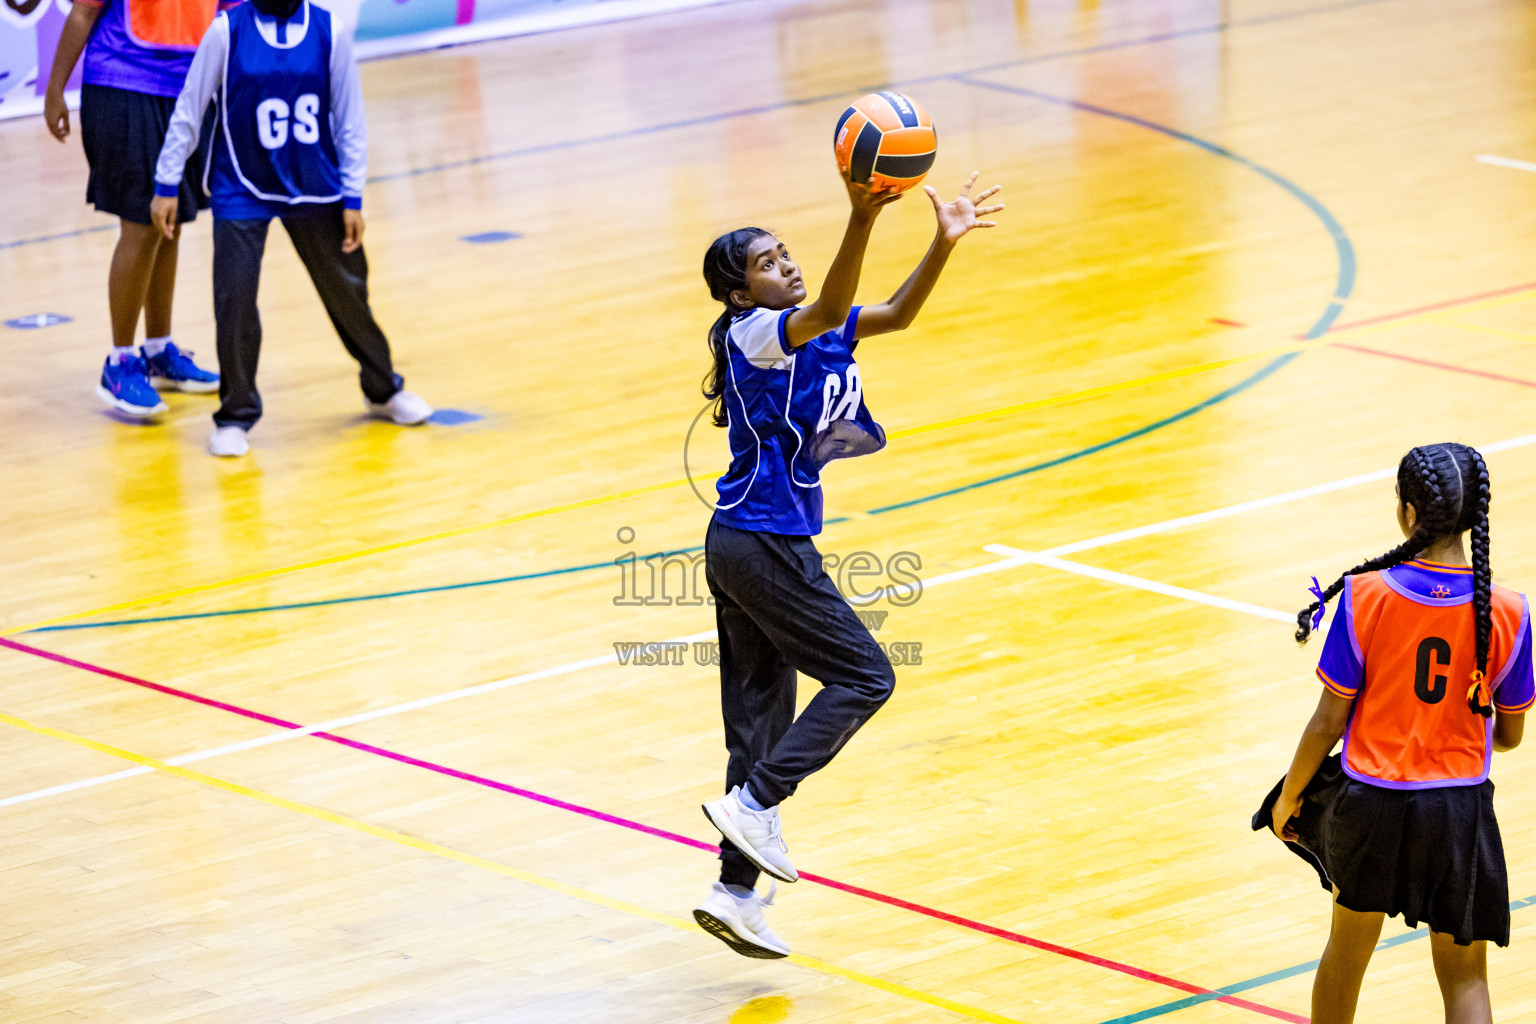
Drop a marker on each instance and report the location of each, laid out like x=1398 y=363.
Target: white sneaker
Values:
x=228 y=442
x=758 y=834
x=404 y=407
x=738 y=922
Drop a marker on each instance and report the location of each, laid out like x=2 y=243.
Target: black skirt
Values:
x=1430 y=855
x=122 y=132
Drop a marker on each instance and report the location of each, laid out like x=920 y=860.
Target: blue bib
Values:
x=275 y=112
x=785 y=424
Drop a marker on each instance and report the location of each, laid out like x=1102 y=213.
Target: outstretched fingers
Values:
x=970 y=181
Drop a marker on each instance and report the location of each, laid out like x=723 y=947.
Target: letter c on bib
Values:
x=306 y=125
x=272 y=123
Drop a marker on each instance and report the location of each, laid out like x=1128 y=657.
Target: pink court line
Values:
x=651 y=830
x=1431 y=308
x=1439 y=366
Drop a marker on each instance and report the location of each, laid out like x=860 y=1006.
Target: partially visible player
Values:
x=789 y=393
x=291 y=144
x=136 y=58
x=1426 y=672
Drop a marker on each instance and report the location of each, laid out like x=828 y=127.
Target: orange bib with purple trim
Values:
x=1411 y=727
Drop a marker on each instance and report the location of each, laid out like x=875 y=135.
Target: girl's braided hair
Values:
x=1447 y=485
x=725 y=271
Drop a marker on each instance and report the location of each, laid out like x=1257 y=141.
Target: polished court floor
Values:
x=346 y=731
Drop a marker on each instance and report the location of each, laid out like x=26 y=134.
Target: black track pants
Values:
x=341 y=279
x=778 y=612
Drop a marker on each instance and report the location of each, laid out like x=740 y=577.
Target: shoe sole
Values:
x=186 y=387
x=722 y=931
x=128 y=408
x=731 y=832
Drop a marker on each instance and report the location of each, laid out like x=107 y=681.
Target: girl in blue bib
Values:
x=290 y=143
x=790 y=395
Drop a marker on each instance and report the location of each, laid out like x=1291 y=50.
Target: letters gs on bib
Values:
x=273 y=119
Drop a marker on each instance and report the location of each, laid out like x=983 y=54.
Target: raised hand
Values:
x=867 y=201
x=958 y=218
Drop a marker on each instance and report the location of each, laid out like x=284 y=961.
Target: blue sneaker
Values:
x=175 y=370
x=125 y=387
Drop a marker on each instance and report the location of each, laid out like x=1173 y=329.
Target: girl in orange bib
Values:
x=1426 y=671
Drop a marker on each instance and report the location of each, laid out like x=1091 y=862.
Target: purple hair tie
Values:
x=1322 y=602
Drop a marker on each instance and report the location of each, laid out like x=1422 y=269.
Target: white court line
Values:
x=442 y=698
x=1012 y=562
x=339 y=723
x=1198 y=596
x=1504 y=161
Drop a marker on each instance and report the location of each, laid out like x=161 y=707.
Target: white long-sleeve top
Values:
x=349 y=130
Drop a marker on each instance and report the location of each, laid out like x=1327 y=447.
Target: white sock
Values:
x=741 y=892
x=154 y=346
x=121 y=355
x=750 y=799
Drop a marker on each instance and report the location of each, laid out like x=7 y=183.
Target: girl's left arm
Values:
x=956 y=220
x=1317 y=742
x=349 y=129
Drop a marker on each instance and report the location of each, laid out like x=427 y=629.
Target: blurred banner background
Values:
x=29 y=31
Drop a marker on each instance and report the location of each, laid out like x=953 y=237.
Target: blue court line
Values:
x=326 y=602
x=1341 y=243
x=1345 y=284
x=1274 y=976
x=1161 y=37
x=295 y=606
x=55 y=238
x=1220 y=396
x=730 y=115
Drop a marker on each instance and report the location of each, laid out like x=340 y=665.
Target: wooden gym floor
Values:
x=1249 y=254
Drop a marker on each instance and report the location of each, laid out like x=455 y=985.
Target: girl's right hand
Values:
x=1286 y=808
x=867 y=201
x=56 y=115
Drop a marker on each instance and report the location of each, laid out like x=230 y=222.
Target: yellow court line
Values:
x=980 y=417
x=1496 y=332
x=427 y=846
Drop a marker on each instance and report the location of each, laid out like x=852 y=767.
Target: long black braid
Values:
x=725 y=271
x=1447 y=485
x=1479 y=696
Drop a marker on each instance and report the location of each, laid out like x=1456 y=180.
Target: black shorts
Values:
x=1430 y=855
x=122 y=132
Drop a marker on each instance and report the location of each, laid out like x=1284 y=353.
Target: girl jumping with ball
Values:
x=788 y=392
x=1426 y=672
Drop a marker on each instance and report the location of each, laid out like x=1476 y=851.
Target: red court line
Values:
x=651 y=830
x=1430 y=362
